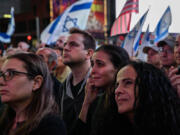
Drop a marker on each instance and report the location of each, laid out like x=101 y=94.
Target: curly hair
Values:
x=157 y=106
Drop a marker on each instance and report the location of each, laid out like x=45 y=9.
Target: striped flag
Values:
x=122 y=23
x=161 y=30
x=74 y=16
x=131 y=42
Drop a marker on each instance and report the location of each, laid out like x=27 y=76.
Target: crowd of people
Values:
x=75 y=88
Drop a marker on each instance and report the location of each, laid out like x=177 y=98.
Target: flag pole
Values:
x=105 y=22
x=51 y=10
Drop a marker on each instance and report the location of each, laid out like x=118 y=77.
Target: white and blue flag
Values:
x=144 y=42
x=6 y=37
x=131 y=42
x=146 y=38
x=74 y=16
x=161 y=30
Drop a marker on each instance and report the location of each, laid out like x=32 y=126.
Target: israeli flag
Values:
x=131 y=42
x=161 y=30
x=6 y=37
x=74 y=16
x=144 y=42
x=146 y=38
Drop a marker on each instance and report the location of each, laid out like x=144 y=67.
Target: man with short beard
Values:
x=77 y=53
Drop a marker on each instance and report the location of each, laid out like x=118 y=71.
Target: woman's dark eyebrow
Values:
x=127 y=79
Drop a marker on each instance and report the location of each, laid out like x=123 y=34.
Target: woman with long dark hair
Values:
x=146 y=102
x=106 y=62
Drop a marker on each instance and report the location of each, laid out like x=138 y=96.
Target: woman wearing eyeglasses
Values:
x=26 y=88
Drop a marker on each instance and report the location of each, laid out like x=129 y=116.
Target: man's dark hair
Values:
x=89 y=41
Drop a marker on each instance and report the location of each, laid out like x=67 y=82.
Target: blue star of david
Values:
x=69 y=23
x=164 y=24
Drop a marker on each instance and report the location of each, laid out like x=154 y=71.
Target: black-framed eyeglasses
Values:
x=9 y=74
